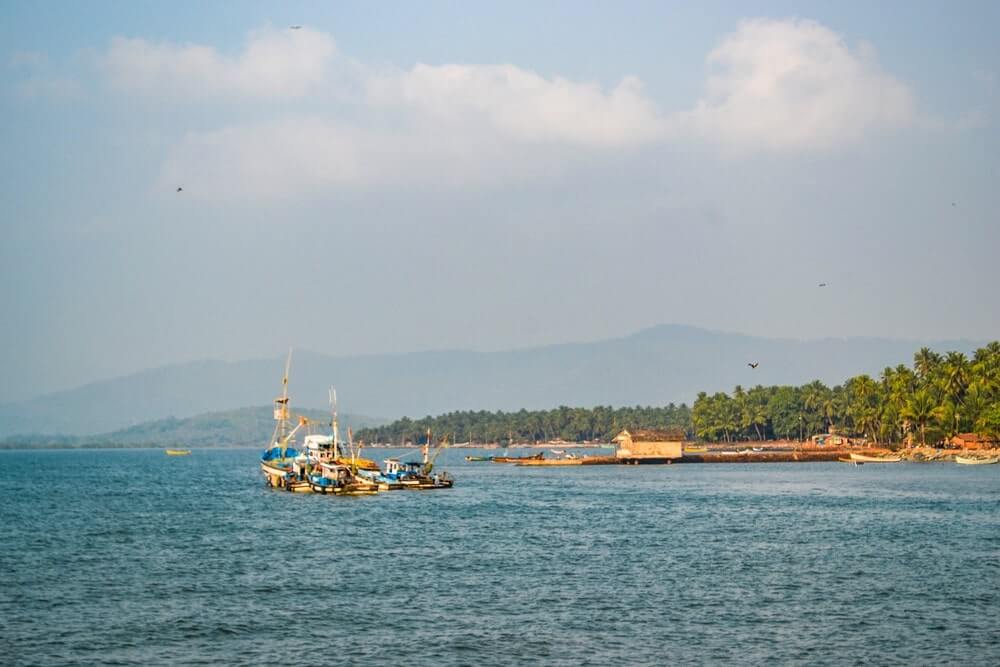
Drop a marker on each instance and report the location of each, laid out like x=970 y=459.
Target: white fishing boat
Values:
x=973 y=461
x=864 y=458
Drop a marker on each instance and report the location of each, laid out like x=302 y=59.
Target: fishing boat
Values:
x=515 y=459
x=298 y=486
x=558 y=452
x=972 y=461
x=863 y=458
x=178 y=452
x=340 y=480
x=414 y=475
x=278 y=461
x=418 y=475
x=851 y=461
x=478 y=458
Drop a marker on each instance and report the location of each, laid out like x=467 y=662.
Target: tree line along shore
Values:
x=940 y=396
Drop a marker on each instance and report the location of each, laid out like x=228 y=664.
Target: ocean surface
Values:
x=131 y=557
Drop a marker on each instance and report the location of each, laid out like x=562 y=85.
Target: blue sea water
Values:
x=131 y=557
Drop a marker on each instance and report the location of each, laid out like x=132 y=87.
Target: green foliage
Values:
x=941 y=396
x=563 y=423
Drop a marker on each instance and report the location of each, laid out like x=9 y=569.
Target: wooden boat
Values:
x=414 y=475
x=863 y=458
x=851 y=461
x=298 y=486
x=972 y=461
x=325 y=485
x=515 y=459
x=344 y=478
x=178 y=452
x=478 y=458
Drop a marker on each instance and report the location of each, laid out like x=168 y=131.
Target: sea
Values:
x=132 y=557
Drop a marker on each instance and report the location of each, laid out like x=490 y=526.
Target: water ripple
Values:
x=131 y=557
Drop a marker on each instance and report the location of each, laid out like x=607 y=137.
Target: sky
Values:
x=391 y=177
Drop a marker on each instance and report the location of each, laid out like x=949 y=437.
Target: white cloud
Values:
x=785 y=86
x=522 y=105
x=273 y=63
x=303 y=156
x=791 y=85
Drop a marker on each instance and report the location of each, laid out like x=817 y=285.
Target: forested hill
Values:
x=232 y=428
x=658 y=366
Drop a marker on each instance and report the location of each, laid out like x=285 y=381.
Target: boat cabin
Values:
x=397 y=468
x=321 y=447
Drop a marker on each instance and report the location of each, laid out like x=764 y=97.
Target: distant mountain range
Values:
x=243 y=427
x=664 y=364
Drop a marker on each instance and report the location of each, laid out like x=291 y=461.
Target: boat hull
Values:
x=517 y=459
x=862 y=458
x=970 y=461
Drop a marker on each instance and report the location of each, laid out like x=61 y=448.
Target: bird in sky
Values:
x=822 y=284
x=179 y=189
x=295 y=27
x=754 y=364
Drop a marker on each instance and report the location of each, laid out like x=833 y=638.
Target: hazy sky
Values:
x=395 y=177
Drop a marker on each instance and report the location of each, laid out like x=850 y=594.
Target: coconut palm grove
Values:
x=940 y=396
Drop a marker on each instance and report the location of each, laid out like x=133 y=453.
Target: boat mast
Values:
x=281 y=414
x=429 y=463
x=350 y=443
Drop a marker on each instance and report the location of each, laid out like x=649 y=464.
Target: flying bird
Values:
x=754 y=364
x=179 y=189
x=295 y=27
x=822 y=284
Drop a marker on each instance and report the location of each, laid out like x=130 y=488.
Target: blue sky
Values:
x=439 y=175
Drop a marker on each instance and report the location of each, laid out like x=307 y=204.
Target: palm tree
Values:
x=925 y=361
x=921 y=410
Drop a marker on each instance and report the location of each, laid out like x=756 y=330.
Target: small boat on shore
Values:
x=517 y=459
x=973 y=461
x=864 y=458
x=178 y=452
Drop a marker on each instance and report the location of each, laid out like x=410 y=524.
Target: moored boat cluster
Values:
x=327 y=465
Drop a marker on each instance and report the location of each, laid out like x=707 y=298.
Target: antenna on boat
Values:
x=350 y=443
x=336 y=427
